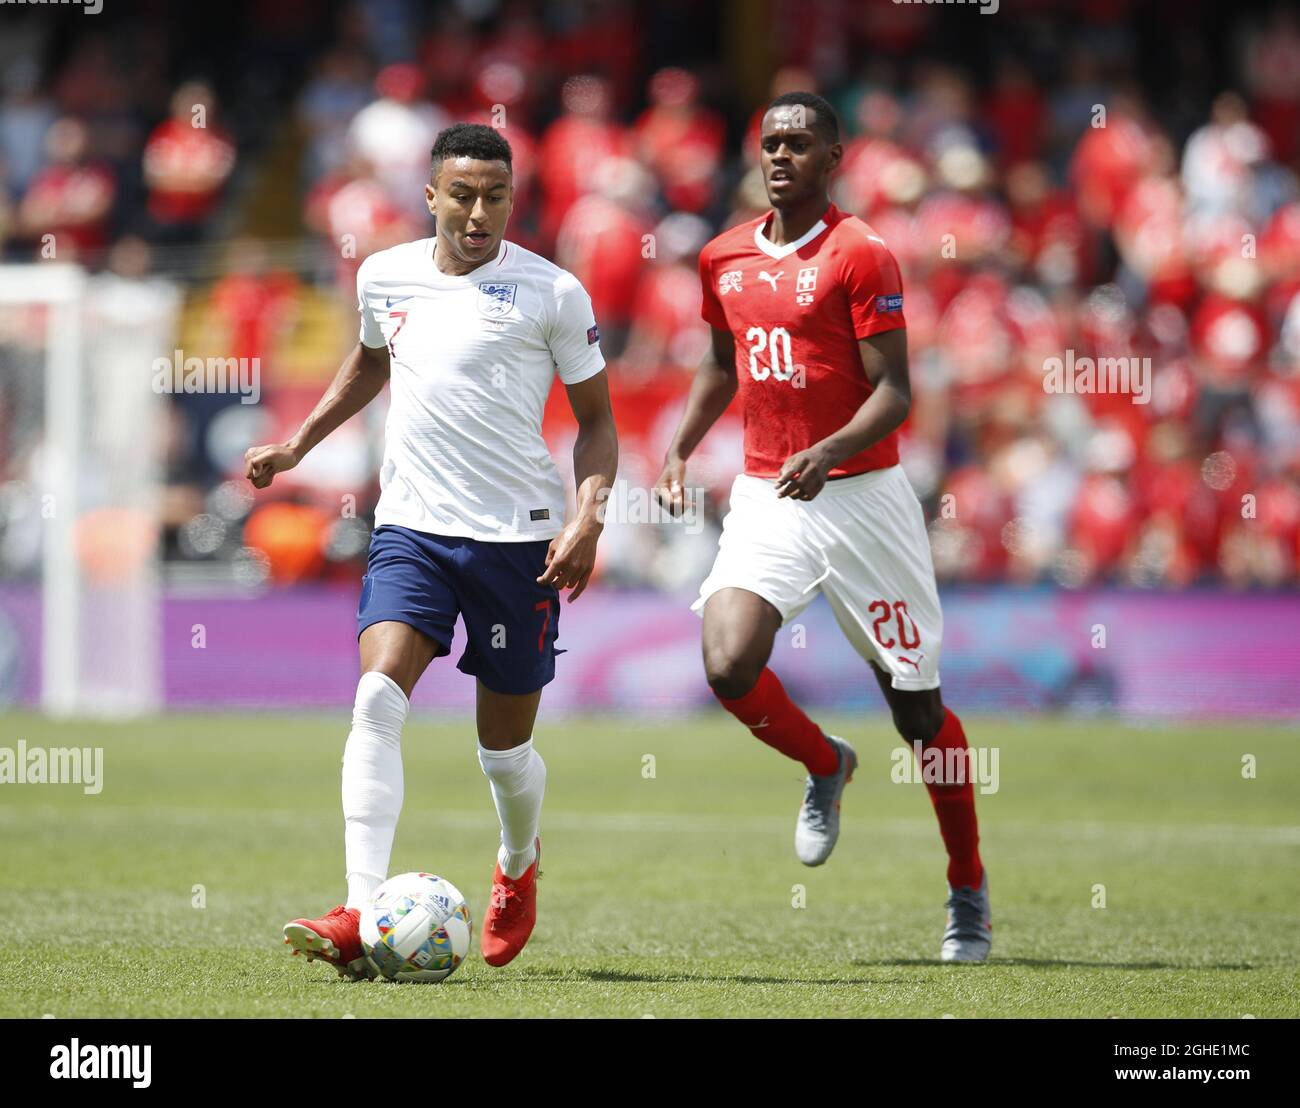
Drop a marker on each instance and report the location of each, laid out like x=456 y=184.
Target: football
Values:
x=416 y=928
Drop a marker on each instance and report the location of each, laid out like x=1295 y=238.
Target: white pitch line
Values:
x=94 y=813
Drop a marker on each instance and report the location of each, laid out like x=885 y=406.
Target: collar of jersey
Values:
x=474 y=274
x=778 y=252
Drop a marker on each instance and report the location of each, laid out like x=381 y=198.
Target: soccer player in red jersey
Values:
x=806 y=307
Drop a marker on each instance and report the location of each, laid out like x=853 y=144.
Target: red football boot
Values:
x=512 y=913
x=334 y=938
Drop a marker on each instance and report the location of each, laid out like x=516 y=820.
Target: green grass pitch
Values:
x=664 y=895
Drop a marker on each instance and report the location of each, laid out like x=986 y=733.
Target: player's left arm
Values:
x=884 y=360
x=572 y=554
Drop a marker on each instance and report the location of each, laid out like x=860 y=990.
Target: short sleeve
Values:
x=574 y=338
x=370 y=334
x=873 y=285
x=710 y=306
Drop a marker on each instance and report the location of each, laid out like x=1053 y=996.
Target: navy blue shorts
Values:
x=511 y=621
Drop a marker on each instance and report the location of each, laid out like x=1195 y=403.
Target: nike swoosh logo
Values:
x=399 y=300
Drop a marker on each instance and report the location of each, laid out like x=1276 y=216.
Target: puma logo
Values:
x=760 y=723
x=763 y=275
x=914 y=665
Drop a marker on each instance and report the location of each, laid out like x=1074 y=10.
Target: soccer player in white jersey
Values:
x=806 y=306
x=470 y=329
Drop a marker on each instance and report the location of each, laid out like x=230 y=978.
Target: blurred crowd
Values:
x=1039 y=201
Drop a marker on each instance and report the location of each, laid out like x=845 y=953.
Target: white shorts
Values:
x=861 y=541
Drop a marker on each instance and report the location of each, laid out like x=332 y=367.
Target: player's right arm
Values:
x=358 y=381
x=711 y=392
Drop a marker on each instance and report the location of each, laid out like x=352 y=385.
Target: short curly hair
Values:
x=825 y=122
x=470 y=140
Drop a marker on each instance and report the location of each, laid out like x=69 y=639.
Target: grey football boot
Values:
x=969 y=931
x=819 y=818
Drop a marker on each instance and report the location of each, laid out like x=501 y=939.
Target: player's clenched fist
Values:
x=262 y=463
x=671 y=486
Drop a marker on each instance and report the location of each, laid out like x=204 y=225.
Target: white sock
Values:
x=361 y=887
x=518 y=780
x=372 y=783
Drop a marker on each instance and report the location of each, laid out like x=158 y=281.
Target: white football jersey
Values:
x=473 y=359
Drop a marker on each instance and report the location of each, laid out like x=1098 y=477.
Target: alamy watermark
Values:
x=179 y=374
x=96 y=1061
x=627 y=503
x=92 y=7
x=56 y=765
x=986 y=7
x=1087 y=376
x=977 y=765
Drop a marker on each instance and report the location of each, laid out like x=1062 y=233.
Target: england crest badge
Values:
x=495 y=299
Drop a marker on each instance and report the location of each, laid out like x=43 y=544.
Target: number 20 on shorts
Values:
x=898 y=612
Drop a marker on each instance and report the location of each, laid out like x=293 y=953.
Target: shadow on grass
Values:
x=691 y=978
x=549 y=976
x=1061 y=963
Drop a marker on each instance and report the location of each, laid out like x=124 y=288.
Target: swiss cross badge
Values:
x=804 y=285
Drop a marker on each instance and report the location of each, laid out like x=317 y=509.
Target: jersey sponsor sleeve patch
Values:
x=889 y=303
x=593 y=334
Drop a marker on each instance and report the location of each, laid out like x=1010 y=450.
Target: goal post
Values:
x=76 y=351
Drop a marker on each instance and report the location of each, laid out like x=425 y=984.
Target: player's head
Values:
x=471 y=190
x=799 y=147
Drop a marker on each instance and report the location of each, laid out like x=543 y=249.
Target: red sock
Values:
x=955 y=806
x=772 y=716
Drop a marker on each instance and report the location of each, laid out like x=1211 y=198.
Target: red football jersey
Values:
x=797 y=313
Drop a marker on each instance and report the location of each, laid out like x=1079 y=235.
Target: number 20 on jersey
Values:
x=769 y=356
